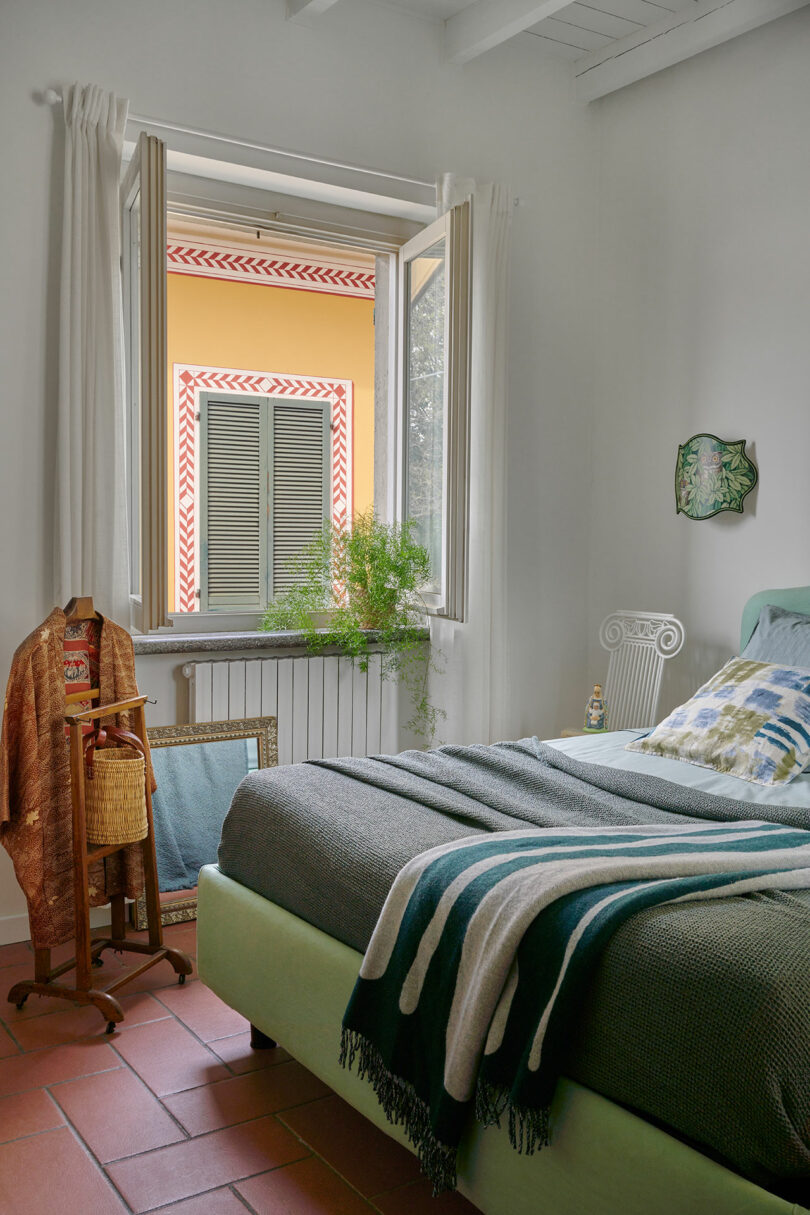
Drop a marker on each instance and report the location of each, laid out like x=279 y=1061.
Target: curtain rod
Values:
x=52 y=97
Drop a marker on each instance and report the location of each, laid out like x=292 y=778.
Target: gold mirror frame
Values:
x=263 y=729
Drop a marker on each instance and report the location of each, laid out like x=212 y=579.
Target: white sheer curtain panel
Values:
x=91 y=532
x=476 y=651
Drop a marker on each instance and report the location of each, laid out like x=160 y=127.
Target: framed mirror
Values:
x=197 y=768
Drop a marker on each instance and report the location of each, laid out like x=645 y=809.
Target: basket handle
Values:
x=108 y=737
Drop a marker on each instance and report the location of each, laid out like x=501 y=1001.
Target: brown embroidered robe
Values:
x=35 y=799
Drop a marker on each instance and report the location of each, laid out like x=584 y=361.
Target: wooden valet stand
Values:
x=88 y=950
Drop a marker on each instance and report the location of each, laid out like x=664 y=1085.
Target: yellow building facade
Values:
x=280 y=312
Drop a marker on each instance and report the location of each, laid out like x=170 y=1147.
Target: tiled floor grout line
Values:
x=127 y=1066
x=241 y=1198
x=232 y=1074
x=231 y=1185
x=324 y=1161
x=13 y=1037
x=103 y=1168
x=99 y=1167
x=275 y=1114
x=223 y=1185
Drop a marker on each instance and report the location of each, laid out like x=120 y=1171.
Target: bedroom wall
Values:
x=366 y=84
x=703 y=308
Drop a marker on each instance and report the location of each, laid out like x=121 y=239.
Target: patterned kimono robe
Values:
x=35 y=798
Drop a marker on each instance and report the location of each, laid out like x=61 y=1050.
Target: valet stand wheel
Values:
x=88 y=950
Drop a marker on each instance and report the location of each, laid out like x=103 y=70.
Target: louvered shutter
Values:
x=234 y=493
x=300 y=476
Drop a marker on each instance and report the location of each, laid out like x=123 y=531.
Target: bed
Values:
x=604 y=1157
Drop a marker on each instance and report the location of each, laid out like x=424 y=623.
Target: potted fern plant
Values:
x=358 y=586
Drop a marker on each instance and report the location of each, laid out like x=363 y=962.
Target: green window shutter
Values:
x=301 y=478
x=234 y=503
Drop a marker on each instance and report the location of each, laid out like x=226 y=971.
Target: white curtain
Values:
x=474 y=687
x=91 y=532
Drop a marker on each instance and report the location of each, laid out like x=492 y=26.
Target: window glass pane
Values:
x=425 y=401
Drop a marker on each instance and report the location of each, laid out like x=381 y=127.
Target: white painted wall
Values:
x=703 y=325
x=366 y=84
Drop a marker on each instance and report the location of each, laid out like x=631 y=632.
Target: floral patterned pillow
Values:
x=752 y=719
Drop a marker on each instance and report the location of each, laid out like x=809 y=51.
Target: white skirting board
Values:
x=325 y=707
x=14 y=928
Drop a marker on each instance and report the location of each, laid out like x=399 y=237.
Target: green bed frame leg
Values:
x=260 y=1041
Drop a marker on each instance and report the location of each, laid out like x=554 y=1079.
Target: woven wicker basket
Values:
x=115 y=797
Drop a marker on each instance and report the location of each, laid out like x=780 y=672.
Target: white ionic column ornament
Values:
x=639 y=644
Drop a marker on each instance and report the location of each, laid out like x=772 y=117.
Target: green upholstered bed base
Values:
x=293 y=982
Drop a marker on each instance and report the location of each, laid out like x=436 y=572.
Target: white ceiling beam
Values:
x=487 y=23
x=679 y=36
x=303 y=11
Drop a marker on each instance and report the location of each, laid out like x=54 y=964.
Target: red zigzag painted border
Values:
x=188 y=382
x=306 y=276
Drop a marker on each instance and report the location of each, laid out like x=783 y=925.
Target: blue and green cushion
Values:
x=752 y=720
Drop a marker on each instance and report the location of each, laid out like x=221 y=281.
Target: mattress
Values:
x=698 y=1016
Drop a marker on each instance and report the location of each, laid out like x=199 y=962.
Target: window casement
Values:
x=263 y=492
x=433 y=413
x=143 y=198
x=265 y=477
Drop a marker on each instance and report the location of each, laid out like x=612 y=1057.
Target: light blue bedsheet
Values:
x=608 y=749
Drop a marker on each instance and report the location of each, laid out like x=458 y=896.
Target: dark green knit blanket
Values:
x=483 y=950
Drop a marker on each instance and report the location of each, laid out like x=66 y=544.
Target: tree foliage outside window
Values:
x=425 y=403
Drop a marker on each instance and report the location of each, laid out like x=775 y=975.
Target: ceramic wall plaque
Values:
x=712 y=475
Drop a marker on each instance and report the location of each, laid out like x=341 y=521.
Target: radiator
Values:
x=325 y=707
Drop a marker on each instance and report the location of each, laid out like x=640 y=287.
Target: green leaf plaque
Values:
x=711 y=475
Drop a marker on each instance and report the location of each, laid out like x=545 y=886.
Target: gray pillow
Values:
x=780 y=636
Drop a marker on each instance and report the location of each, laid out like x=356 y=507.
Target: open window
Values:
x=235 y=462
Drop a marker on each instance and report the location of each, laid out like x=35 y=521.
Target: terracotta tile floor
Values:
x=175 y=1113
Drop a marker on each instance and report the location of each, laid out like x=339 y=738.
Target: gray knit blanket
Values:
x=484 y=946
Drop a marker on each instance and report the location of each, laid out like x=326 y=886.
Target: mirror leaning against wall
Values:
x=197 y=768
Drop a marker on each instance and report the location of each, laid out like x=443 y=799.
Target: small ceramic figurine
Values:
x=596 y=711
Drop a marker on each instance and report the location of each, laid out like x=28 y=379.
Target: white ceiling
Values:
x=582 y=27
x=610 y=43
x=578 y=27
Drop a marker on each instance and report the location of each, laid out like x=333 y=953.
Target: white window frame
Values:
x=144 y=279
x=150 y=540
x=455 y=227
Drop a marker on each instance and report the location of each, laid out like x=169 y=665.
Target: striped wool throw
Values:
x=484 y=948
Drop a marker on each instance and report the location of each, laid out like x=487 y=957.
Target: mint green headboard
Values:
x=793 y=599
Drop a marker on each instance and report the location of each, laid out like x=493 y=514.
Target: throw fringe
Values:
x=528 y=1127
x=402 y=1107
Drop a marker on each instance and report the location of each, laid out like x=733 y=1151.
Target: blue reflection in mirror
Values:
x=195 y=784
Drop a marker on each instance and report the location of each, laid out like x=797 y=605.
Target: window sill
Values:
x=196 y=643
